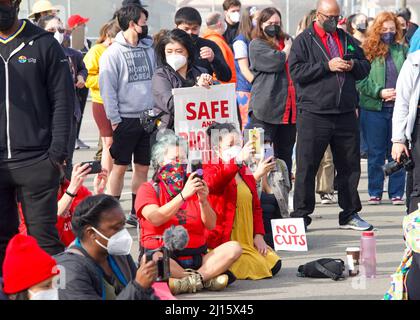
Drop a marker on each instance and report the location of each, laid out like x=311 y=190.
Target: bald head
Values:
x=328 y=15
x=328 y=5
x=213 y=19
x=215 y=22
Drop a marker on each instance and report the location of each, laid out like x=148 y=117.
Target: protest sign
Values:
x=289 y=234
x=196 y=108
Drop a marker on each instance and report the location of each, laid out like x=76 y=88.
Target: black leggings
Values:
x=413 y=278
x=270 y=211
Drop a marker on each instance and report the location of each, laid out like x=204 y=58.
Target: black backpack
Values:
x=323 y=268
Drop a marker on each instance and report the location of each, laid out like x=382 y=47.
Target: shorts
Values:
x=99 y=114
x=193 y=262
x=131 y=142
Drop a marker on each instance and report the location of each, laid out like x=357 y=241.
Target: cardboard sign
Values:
x=289 y=234
x=78 y=38
x=196 y=108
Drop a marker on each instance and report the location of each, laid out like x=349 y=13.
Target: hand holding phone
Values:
x=94 y=165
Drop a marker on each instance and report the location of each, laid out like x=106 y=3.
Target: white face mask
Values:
x=176 y=61
x=59 y=37
x=235 y=17
x=50 y=294
x=119 y=244
x=231 y=153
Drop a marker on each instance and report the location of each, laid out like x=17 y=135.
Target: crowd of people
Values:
x=341 y=89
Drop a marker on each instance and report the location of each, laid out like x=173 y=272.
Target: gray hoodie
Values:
x=125 y=78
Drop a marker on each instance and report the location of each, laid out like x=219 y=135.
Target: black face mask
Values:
x=144 y=32
x=272 y=31
x=8 y=16
x=361 y=27
x=404 y=32
x=330 y=25
x=194 y=38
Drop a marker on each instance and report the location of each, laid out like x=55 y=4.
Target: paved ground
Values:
x=325 y=241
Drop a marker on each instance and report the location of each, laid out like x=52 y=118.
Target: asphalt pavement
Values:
x=325 y=240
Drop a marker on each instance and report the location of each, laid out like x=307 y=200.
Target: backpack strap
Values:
x=328 y=273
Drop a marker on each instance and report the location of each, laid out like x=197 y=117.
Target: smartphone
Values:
x=348 y=56
x=268 y=151
x=95 y=165
x=197 y=166
x=255 y=138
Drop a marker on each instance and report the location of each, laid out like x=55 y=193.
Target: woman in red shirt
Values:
x=234 y=197
x=171 y=200
x=70 y=194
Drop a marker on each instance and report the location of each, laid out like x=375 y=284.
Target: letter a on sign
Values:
x=289 y=234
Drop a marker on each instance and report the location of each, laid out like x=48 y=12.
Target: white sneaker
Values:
x=327 y=199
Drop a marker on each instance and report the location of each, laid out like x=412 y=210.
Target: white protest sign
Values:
x=289 y=234
x=196 y=108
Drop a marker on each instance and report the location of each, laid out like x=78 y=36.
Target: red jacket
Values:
x=223 y=198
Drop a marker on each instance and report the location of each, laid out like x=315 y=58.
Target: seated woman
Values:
x=70 y=194
x=28 y=271
x=99 y=265
x=233 y=195
x=177 y=69
x=171 y=200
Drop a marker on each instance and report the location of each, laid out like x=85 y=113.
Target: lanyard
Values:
x=114 y=267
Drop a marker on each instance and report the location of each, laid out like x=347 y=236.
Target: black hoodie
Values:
x=317 y=88
x=36 y=99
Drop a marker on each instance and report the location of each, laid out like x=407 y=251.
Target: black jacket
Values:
x=83 y=280
x=270 y=85
x=218 y=66
x=317 y=88
x=77 y=68
x=36 y=107
x=164 y=80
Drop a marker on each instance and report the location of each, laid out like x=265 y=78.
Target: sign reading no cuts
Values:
x=289 y=234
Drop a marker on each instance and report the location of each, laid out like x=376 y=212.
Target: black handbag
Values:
x=151 y=122
x=323 y=268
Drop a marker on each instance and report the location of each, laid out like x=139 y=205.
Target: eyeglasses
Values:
x=337 y=18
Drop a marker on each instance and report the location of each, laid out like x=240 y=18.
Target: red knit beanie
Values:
x=26 y=265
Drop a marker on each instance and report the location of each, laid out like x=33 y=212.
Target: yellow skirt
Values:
x=251 y=265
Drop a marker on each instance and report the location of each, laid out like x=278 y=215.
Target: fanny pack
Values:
x=323 y=268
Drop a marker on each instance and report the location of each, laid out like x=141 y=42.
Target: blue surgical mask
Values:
x=388 y=37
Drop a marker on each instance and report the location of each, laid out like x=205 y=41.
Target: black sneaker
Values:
x=132 y=220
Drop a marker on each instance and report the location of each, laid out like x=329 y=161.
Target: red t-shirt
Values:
x=189 y=216
x=64 y=227
x=323 y=36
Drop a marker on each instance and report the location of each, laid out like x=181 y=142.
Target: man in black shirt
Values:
x=207 y=53
x=232 y=10
x=36 y=110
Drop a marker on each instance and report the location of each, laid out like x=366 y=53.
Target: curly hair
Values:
x=373 y=46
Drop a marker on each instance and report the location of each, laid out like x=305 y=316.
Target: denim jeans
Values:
x=378 y=136
x=362 y=122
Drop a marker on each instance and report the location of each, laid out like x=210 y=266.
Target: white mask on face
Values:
x=176 y=61
x=59 y=37
x=235 y=17
x=119 y=244
x=50 y=294
x=231 y=153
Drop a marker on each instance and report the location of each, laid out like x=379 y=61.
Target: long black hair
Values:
x=175 y=35
x=89 y=212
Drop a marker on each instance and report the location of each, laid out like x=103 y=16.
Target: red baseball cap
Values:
x=75 y=20
x=26 y=265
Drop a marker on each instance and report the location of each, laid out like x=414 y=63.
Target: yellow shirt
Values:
x=91 y=61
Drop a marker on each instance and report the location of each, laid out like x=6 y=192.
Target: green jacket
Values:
x=371 y=87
